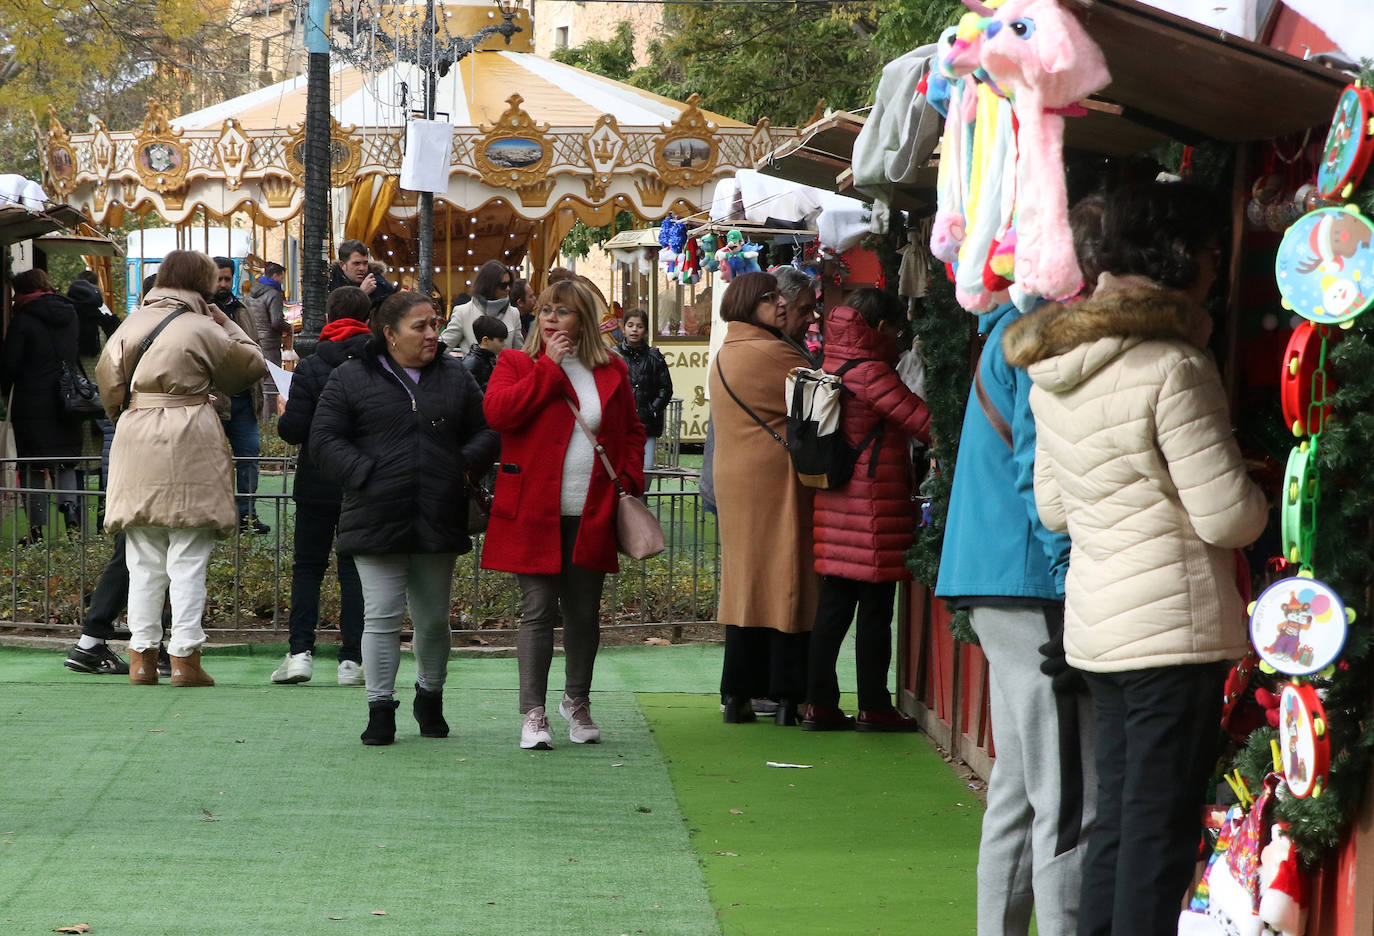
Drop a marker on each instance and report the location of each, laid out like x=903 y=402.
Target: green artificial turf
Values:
x=253 y=809
x=878 y=836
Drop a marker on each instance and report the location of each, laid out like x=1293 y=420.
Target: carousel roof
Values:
x=474 y=92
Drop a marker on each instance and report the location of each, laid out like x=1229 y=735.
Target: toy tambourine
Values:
x=1349 y=144
x=1325 y=265
x=1304 y=743
x=1300 y=360
x=1298 y=515
x=1298 y=626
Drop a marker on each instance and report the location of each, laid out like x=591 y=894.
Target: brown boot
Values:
x=186 y=671
x=143 y=667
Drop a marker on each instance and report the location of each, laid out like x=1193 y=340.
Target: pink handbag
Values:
x=638 y=533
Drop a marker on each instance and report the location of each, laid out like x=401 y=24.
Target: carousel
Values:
x=537 y=146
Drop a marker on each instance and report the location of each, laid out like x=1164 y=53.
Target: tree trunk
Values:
x=315 y=224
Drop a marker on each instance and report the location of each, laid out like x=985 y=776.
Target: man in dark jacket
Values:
x=265 y=303
x=241 y=427
x=318 y=499
x=491 y=336
x=351 y=270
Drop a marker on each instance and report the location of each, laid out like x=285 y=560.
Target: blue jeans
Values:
x=242 y=431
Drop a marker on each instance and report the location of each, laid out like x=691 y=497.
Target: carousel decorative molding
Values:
x=688 y=153
x=652 y=190
x=233 y=148
x=537 y=194
x=278 y=190
x=102 y=148
x=61 y=158
x=345 y=156
x=516 y=152
x=161 y=157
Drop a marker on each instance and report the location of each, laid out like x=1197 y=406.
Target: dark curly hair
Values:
x=1158 y=230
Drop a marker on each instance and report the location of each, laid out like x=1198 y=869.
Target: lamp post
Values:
x=436 y=56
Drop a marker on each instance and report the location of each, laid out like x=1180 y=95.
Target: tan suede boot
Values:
x=186 y=671
x=143 y=667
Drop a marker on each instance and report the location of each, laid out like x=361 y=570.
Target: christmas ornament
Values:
x=1325 y=265
x=1298 y=626
x=1349 y=144
x=1303 y=742
x=1283 y=886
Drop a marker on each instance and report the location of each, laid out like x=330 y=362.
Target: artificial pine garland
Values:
x=945 y=330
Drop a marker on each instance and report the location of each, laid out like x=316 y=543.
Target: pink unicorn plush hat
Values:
x=1045 y=60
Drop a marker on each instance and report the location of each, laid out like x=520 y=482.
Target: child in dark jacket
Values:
x=480 y=360
x=318 y=500
x=649 y=377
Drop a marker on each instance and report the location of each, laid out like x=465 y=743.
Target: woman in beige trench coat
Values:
x=768 y=583
x=171 y=487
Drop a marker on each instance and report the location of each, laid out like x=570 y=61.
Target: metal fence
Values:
x=52 y=555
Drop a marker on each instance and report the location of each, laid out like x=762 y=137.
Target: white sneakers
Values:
x=351 y=674
x=534 y=731
x=296 y=668
x=581 y=728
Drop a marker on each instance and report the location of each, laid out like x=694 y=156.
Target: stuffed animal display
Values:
x=1002 y=217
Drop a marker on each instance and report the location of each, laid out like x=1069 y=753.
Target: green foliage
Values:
x=614 y=57
x=945 y=330
x=582 y=238
x=904 y=25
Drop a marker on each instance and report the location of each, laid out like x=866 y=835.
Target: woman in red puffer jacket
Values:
x=863 y=527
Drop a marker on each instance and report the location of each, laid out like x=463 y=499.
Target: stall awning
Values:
x=628 y=240
x=20 y=224
x=1183 y=80
x=80 y=245
x=819 y=154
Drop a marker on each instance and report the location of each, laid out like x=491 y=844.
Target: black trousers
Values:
x=1158 y=738
x=111 y=596
x=315 y=526
x=839 y=597
x=764 y=663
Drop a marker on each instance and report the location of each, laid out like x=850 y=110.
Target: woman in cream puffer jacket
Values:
x=1136 y=461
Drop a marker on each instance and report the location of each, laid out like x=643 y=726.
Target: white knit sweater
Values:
x=580 y=461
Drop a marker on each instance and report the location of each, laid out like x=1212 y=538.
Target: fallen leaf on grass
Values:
x=335 y=918
x=737 y=812
x=657 y=642
x=379 y=913
x=798 y=766
x=240 y=740
x=208 y=817
x=154 y=730
x=74 y=928
x=727 y=854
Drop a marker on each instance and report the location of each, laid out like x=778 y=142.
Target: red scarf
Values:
x=343 y=329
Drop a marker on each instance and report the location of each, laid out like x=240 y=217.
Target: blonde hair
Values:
x=582 y=299
x=190 y=270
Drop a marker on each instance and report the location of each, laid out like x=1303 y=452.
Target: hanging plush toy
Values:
x=1044 y=59
x=689 y=266
x=672 y=237
x=737 y=257
x=709 y=244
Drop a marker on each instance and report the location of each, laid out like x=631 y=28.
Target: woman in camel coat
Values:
x=768 y=583
x=171 y=472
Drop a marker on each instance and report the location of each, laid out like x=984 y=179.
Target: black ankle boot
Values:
x=786 y=714
x=429 y=712
x=738 y=710
x=381 y=722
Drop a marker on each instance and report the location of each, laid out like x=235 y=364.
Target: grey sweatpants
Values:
x=1034 y=839
x=424 y=581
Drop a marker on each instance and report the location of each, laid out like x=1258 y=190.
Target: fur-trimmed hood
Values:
x=1061 y=345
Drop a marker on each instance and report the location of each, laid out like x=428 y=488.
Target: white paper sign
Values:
x=424 y=168
x=282 y=378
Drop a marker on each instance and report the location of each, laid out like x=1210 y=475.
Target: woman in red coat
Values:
x=863 y=527
x=553 y=518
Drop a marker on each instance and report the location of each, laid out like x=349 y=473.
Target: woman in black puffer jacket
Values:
x=397 y=429
x=649 y=378
x=42 y=334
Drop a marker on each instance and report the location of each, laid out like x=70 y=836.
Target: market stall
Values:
x=1288 y=142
